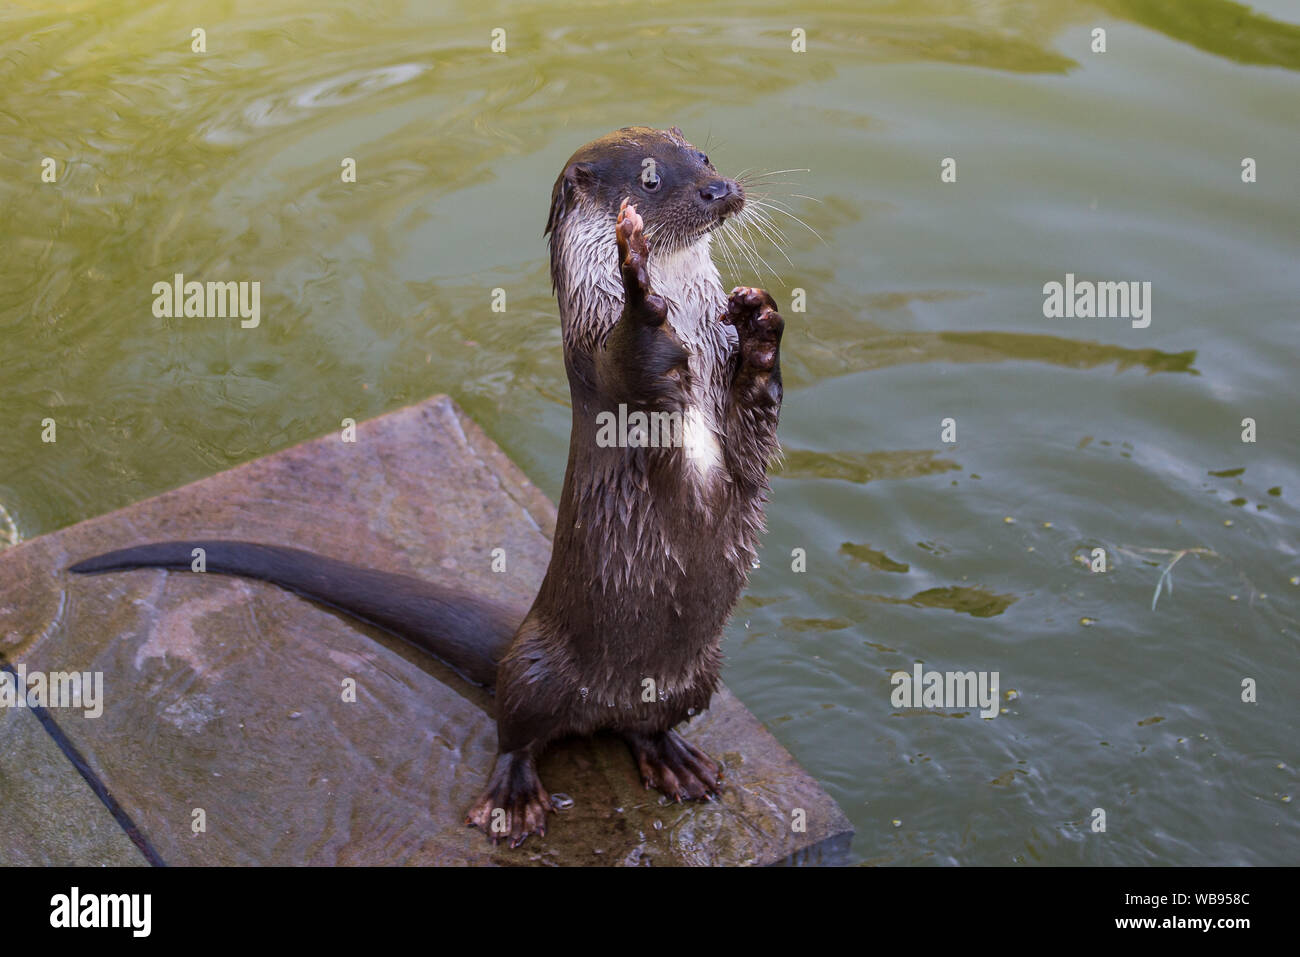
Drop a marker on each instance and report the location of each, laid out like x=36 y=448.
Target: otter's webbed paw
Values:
x=674 y=766
x=642 y=363
x=759 y=326
x=755 y=403
x=634 y=264
x=515 y=804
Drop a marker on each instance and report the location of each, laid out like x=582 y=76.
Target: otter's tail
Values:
x=468 y=634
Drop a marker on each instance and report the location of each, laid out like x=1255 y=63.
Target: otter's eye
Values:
x=650 y=180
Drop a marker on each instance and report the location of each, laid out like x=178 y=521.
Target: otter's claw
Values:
x=515 y=804
x=675 y=767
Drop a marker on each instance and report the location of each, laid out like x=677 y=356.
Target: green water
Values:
x=925 y=301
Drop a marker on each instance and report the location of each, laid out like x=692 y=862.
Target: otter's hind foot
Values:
x=674 y=766
x=514 y=804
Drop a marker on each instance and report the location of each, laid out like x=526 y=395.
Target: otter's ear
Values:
x=563 y=196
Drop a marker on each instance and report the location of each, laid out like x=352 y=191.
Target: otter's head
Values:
x=674 y=187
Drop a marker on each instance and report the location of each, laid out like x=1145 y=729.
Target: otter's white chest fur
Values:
x=689 y=281
x=592 y=299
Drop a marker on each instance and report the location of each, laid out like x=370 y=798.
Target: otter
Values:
x=653 y=543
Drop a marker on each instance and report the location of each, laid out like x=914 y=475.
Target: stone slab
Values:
x=50 y=816
x=224 y=703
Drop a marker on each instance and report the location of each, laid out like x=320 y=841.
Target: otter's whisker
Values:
x=730 y=229
x=777 y=207
x=749 y=222
x=778 y=172
x=773 y=235
x=748 y=250
x=757 y=208
x=724 y=249
x=760 y=216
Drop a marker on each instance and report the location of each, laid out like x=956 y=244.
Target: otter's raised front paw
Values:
x=515 y=804
x=758 y=324
x=674 y=766
x=634 y=264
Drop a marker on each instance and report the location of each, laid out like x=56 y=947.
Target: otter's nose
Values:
x=718 y=189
